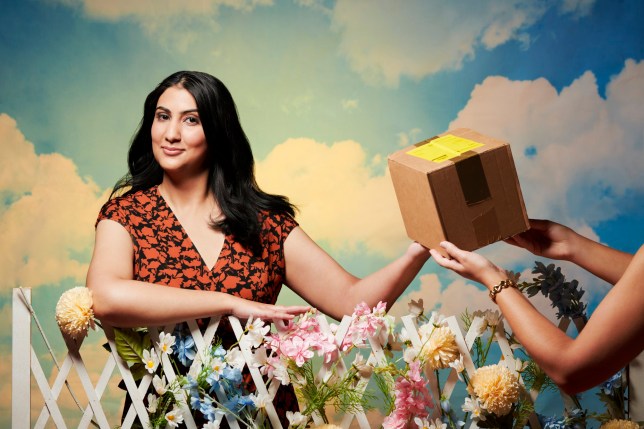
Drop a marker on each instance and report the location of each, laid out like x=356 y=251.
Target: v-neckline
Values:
x=204 y=263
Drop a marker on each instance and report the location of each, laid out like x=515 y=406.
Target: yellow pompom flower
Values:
x=620 y=424
x=440 y=348
x=74 y=312
x=496 y=387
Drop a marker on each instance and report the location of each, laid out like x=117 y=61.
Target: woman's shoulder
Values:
x=131 y=203
x=272 y=221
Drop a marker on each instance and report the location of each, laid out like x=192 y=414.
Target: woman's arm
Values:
x=556 y=241
x=122 y=301
x=613 y=336
x=323 y=283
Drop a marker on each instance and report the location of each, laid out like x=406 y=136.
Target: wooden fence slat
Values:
x=21 y=360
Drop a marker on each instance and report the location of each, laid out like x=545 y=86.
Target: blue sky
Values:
x=325 y=90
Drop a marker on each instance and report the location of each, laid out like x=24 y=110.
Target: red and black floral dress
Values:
x=165 y=255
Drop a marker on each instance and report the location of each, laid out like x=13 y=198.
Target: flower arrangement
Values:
x=416 y=368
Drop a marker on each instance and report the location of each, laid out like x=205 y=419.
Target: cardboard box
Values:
x=460 y=186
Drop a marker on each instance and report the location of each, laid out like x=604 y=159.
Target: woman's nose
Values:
x=173 y=132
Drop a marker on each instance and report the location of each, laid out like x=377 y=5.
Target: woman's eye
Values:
x=192 y=120
x=162 y=116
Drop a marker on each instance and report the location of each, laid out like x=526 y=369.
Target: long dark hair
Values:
x=231 y=167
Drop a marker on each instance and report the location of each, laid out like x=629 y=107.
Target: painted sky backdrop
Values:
x=325 y=91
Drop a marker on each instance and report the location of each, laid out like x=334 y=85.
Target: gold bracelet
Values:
x=499 y=287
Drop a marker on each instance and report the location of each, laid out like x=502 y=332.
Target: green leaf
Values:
x=129 y=345
x=138 y=370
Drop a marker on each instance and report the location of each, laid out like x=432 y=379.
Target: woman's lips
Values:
x=172 y=151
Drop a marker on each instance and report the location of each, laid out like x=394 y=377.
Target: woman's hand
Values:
x=244 y=309
x=417 y=250
x=546 y=238
x=469 y=265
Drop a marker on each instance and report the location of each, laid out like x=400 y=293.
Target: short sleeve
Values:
x=115 y=209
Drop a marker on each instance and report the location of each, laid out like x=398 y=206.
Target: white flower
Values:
x=364 y=369
x=403 y=336
x=153 y=403
x=473 y=406
x=166 y=341
x=150 y=360
x=255 y=331
x=438 y=424
x=235 y=358
x=421 y=423
x=416 y=307
x=457 y=364
x=436 y=319
x=260 y=358
x=196 y=366
x=479 y=323
x=217 y=366
x=212 y=425
x=410 y=354
x=493 y=317
x=159 y=384
x=296 y=419
x=261 y=400
x=174 y=417
x=520 y=365
x=280 y=371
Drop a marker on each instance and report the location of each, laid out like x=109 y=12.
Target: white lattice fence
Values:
x=26 y=365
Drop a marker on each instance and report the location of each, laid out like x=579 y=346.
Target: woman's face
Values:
x=178 y=141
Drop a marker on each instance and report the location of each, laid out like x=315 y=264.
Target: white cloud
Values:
x=385 y=40
x=150 y=9
x=48 y=214
x=174 y=23
x=577 y=7
x=341 y=200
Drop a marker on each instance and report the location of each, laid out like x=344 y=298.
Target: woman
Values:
x=614 y=334
x=194 y=218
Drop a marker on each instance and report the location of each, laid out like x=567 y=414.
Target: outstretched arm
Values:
x=122 y=301
x=612 y=337
x=323 y=283
x=556 y=241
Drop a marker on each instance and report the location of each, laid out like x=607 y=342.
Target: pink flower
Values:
x=361 y=309
x=412 y=399
x=324 y=344
x=297 y=349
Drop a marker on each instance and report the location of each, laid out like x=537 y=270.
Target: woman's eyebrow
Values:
x=165 y=109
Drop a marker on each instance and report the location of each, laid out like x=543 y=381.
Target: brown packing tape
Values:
x=472 y=178
x=476 y=190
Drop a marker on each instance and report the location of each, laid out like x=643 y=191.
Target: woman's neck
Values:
x=188 y=195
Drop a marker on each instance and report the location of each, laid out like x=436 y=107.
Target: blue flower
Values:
x=208 y=410
x=185 y=349
x=233 y=375
x=218 y=351
x=213 y=381
x=192 y=388
x=553 y=423
x=446 y=406
x=237 y=403
x=612 y=384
